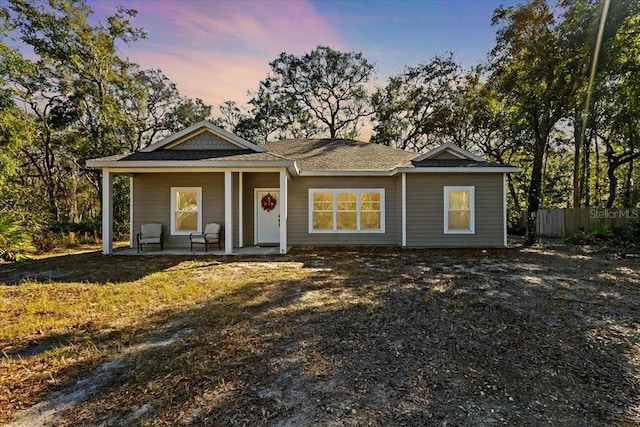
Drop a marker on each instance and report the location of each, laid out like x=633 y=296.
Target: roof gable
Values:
x=203 y=136
x=448 y=151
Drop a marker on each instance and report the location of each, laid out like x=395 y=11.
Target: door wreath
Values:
x=268 y=202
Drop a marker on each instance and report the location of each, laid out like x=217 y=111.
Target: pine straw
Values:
x=347 y=337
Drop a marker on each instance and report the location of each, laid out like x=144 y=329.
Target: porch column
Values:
x=404 y=210
x=504 y=209
x=132 y=232
x=283 y=211
x=240 y=212
x=228 y=212
x=107 y=212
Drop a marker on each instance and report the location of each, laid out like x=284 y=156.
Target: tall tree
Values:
x=323 y=89
x=414 y=111
x=532 y=68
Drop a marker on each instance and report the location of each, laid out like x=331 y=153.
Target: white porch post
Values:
x=131 y=230
x=404 y=209
x=228 y=212
x=283 y=211
x=504 y=208
x=240 y=212
x=107 y=212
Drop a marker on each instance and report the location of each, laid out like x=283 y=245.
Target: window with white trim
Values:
x=459 y=210
x=346 y=210
x=186 y=210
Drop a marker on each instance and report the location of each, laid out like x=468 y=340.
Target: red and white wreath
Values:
x=268 y=202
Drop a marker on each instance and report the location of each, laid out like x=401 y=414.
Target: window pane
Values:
x=459 y=220
x=347 y=220
x=322 y=201
x=187 y=201
x=346 y=201
x=323 y=221
x=459 y=199
x=186 y=221
x=370 y=221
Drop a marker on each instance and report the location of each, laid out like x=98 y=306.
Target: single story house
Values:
x=309 y=192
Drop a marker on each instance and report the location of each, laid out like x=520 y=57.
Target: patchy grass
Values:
x=348 y=337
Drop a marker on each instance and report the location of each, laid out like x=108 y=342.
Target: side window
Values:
x=459 y=212
x=186 y=210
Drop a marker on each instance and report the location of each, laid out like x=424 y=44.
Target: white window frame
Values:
x=358 y=192
x=174 y=192
x=472 y=209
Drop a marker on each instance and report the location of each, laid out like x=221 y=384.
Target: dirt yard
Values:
x=527 y=337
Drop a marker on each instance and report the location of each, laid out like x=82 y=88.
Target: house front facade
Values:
x=308 y=192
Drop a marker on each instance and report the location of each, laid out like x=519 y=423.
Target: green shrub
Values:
x=625 y=234
x=14 y=240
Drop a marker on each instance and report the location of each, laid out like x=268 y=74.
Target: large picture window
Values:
x=186 y=210
x=459 y=212
x=346 y=210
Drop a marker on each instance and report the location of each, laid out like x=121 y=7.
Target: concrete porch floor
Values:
x=248 y=250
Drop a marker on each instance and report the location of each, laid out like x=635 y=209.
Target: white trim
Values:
x=470 y=169
x=284 y=188
x=131 y=230
x=174 y=191
x=164 y=164
x=267 y=166
x=256 y=190
x=240 y=211
x=208 y=126
x=107 y=212
x=358 y=191
x=404 y=209
x=451 y=148
x=228 y=212
x=472 y=213
x=504 y=214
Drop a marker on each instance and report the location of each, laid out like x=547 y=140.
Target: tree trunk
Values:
x=577 y=137
x=628 y=183
x=535 y=186
x=613 y=183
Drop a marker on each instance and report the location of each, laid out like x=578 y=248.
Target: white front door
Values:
x=267 y=216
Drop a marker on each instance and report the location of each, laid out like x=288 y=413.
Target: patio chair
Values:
x=150 y=234
x=212 y=234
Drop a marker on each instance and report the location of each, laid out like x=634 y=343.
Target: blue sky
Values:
x=220 y=49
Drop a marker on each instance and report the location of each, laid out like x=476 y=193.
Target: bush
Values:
x=14 y=240
x=626 y=234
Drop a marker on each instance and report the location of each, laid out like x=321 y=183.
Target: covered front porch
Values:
x=247 y=250
x=228 y=196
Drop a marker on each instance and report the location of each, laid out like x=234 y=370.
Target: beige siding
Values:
x=425 y=210
x=152 y=200
x=445 y=155
x=298 y=226
x=205 y=141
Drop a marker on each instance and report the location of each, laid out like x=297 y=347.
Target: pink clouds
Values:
x=219 y=50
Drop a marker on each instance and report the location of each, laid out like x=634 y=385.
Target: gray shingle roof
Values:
x=340 y=155
x=209 y=155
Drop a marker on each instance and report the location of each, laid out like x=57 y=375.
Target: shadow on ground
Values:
x=385 y=337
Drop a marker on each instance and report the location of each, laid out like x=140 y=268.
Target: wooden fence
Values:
x=567 y=222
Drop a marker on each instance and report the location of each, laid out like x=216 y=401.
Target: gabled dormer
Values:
x=203 y=136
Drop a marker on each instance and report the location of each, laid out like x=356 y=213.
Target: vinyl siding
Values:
x=425 y=210
x=445 y=155
x=298 y=222
x=205 y=141
x=152 y=201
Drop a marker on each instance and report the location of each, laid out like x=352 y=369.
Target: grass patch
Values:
x=332 y=337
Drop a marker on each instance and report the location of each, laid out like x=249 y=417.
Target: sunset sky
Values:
x=219 y=49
